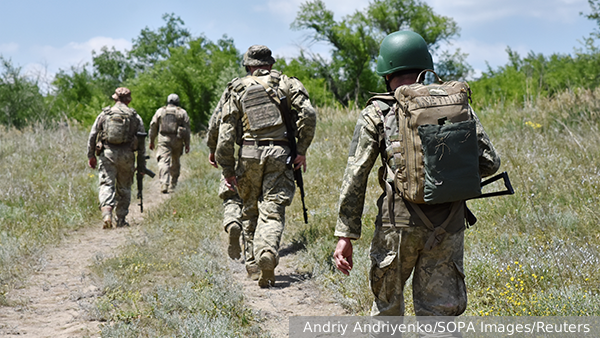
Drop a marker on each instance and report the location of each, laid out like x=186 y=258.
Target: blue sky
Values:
x=43 y=36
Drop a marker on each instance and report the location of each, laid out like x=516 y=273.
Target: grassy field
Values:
x=534 y=253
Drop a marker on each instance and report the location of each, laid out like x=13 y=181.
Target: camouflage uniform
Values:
x=232 y=203
x=116 y=162
x=265 y=180
x=396 y=252
x=170 y=144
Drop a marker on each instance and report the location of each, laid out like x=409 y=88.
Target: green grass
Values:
x=532 y=253
x=45 y=192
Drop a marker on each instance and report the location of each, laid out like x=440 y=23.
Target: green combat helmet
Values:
x=258 y=55
x=403 y=50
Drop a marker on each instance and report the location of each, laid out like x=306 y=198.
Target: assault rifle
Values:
x=141 y=169
x=291 y=136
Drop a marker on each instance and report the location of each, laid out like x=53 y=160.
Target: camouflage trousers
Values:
x=438 y=278
x=116 y=168
x=168 y=152
x=266 y=187
x=232 y=205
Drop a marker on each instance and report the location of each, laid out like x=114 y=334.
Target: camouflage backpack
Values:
x=430 y=138
x=119 y=125
x=169 y=121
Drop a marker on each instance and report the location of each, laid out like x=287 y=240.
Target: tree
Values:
x=194 y=72
x=153 y=46
x=21 y=102
x=355 y=40
x=111 y=68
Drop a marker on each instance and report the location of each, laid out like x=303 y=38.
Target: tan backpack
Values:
x=430 y=137
x=169 y=122
x=118 y=125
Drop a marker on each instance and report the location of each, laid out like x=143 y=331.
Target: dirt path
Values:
x=55 y=301
x=293 y=295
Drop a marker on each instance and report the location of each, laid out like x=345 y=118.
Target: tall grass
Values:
x=45 y=192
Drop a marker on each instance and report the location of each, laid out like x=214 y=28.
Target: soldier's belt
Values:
x=265 y=143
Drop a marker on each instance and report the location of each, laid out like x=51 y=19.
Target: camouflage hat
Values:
x=173 y=99
x=258 y=55
x=121 y=93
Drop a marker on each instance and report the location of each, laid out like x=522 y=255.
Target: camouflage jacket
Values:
x=97 y=130
x=183 y=121
x=364 y=151
x=212 y=135
x=232 y=115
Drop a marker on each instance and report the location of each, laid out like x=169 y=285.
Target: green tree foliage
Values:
x=111 y=68
x=524 y=80
x=355 y=40
x=153 y=46
x=20 y=100
x=162 y=61
x=193 y=72
x=308 y=71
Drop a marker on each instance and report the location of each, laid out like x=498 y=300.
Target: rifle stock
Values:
x=509 y=189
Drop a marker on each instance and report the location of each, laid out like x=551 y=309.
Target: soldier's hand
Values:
x=212 y=161
x=151 y=146
x=187 y=148
x=231 y=183
x=92 y=162
x=343 y=255
x=300 y=161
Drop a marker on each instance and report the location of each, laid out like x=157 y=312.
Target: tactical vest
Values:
x=119 y=125
x=262 y=117
x=430 y=139
x=169 y=122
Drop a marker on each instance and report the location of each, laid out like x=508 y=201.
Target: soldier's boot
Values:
x=234 y=248
x=253 y=271
x=266 y=263
x=106 y=217
x=164 y=188
x=121 y=222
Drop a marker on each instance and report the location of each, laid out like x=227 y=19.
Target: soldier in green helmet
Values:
x=402 y=241
x=263 y=176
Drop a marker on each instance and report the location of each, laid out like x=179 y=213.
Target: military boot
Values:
x=164 y=188
x=253 y=271
x=266 y=263
x=234 y=248
x=106 y=217
x=121 y=222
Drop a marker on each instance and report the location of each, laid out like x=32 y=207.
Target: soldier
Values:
x=172 y=125
x=232 y=203
x=264 y=174
x=401 y=248
x=113 y=139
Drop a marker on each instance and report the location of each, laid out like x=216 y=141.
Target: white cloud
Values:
x=74 y=53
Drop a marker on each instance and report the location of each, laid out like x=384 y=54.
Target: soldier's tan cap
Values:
x=258 y=55
x=121 y=93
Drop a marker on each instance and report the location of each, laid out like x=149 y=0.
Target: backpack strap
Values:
x=389 y=189
x=438 y=233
